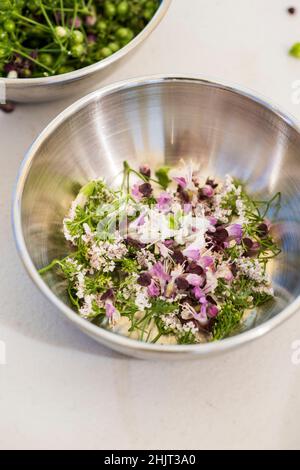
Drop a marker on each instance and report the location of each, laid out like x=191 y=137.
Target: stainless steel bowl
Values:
x=32 y=90
x=161 y=120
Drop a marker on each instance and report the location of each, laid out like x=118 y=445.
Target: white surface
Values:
x=59 y=389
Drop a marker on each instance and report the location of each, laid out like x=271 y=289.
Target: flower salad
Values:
x=171 y=258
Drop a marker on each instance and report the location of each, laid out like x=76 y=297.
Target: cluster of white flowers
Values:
x=103 y=254
x=224 y=214
x=142 y=299
x=145 y=258
x=87 y=308
x=253 y=269
x=173 y=323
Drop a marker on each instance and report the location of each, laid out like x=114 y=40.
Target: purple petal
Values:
x=192 y=254
x=158 y=271
x=181 y=182
x=140 y=220
x=213 y=221
x=194 y=280
x=163 y=202
x=206 y=261
x=235 y=231
x=110 y=309
x=187 y=208
x=164 y=251
x=153 y=290
x=198 y=293
x=137 y=195
x=207 y=191
x=213 y=311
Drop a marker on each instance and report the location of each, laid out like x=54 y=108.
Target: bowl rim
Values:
x=97 y=66
x=106 y=337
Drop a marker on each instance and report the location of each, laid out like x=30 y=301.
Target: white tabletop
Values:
x=59 y=389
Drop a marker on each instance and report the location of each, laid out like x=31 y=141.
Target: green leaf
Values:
x=162 y=175
x=295 y=50
x=88 y=189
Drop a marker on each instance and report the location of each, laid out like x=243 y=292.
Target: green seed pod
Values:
x=61 y=32
x=109 y=9
x=77 y=37
x=78 y=50
x=46 y=59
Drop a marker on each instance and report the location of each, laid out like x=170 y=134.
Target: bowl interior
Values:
x=162 y=121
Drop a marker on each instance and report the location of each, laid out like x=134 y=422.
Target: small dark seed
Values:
x=291 y=10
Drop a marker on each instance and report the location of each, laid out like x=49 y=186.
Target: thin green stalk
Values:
x=37 y=62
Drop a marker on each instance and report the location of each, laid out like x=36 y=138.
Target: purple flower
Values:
x=163 y=201
x=182 y=182
x=164 y=251
x=111 y=313
x=145 y=171
x=220 y=235
x=235 y=231
x=158 y=271
x=194 y=268
x=169 y=243
x=198 y=293
x=178 y=257
x=187 y=208
x=195 y=280
x=153 y=290
x=212 y=311
x=201 y=317
x=206 y=261
x=207 y=191
x=135 y=192
x=109 y=294
x=192 y=254
x=182 y=283
x=144 y=279
x=140 y=220
x=109 y=309
x=145 y=189
x=213 y=221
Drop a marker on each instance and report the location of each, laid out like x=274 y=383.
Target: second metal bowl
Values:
x=30 y=90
